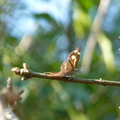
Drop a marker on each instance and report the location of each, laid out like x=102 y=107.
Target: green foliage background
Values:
x=47 y=47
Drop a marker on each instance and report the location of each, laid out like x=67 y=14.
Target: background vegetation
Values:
x=42 y=33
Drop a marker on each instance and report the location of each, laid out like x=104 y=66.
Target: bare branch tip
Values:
x=24 y=78
x=16 y=70
x=26 y=66
x=9 y=80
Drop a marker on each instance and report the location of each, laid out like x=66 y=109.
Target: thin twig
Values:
x=27 y=73
x=8 y=102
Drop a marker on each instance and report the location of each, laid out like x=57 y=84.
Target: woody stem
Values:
x=27 y=73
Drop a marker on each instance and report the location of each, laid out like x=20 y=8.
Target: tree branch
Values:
x=8 y=102
x=27 y=73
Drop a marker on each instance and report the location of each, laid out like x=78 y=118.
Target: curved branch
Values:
x=27 y=73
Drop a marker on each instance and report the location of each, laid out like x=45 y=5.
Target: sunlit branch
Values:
x=27 y=73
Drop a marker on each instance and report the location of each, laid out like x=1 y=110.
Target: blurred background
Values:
x=42 y=33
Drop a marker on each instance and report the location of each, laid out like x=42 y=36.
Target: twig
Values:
x=12 y=97
x=8 y=102
x=27 y=73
